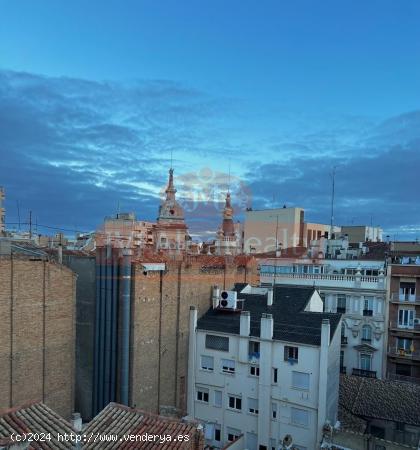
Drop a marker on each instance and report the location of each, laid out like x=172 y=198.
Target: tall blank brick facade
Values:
x=37 y=336
x=160 y=312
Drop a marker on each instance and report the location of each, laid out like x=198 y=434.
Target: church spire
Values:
x=170 y=190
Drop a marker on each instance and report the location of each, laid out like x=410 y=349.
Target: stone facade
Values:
x=37 y=339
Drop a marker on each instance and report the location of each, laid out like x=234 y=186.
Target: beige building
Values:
x=264 y=230
x=37 y=339
x=362 y=233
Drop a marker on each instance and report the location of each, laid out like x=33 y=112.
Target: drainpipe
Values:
x=96 y=371
x=108 y=319
x=114 y=314
x=102 y=332
x=125 y=326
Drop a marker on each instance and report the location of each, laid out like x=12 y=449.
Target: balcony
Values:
x=343 y=370
x=323 y=279
x=409 y=299
x=343 y=340
x=364 y=373
x=405 y=378
x=403 y=353
x=413 y=327
x=367 y=312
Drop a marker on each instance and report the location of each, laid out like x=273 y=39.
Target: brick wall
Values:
x=37 y=339
x=160 y=323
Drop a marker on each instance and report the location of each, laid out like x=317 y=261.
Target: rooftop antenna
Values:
x=229 y=177
x=332 y=201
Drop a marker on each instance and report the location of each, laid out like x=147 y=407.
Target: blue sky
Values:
x=94 y=96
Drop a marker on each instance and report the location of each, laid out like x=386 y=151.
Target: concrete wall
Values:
x=84 y=267
x=37 y=339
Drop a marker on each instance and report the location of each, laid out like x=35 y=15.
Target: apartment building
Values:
x=350 y=283
x=264 y=364
x=269 y=229
x=404 y=315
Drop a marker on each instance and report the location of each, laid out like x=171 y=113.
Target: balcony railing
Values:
x=364 y=373
x=405 y=378
x=343 y=340
x=411 y=326
x=368 y=312
x=405 y=298
x=404 y=353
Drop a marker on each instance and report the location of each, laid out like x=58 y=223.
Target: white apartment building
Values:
x=266 y=368
x=355 y=288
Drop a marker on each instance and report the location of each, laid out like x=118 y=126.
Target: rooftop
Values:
x=291 y=322
x=34 y=418
x=121 y=420
x=364 y=398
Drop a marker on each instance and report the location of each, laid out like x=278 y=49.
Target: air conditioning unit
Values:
x=228 y=299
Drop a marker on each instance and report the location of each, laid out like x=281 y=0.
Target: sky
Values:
x=266 y=97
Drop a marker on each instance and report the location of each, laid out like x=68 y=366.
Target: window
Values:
x=253 y=405
x=300 y=380
x=232 y=434
x=368 y=303
x=299 y=447
x=341 y=303
x=228 y=366
x=341 y=358
x=403 y=369
x=406 y=318
x=218 y=399
x=367 y=333
x=217 y=433
x=365 y=361
x=299 y=417
x=407 y=291
x=217 y=342
x=254 y=348
x=404 y=346
x=203 y=395
x=235 y=402
x=254 y=371
x=274 y=410
x=207 y=362
x=291 y=353
x=273 y=444
x=275 y=375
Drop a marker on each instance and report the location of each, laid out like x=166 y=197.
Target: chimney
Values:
x=325 y=333
x=245 y=323
x=216 y=296
x=270 y=297
x=267 y=324
x=76 y=421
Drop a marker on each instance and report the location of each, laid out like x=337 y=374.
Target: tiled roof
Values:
x=370 y=398
x=123 y=421
x=291 y=323
x=34 y=418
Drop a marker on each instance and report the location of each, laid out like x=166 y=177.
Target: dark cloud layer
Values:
x=71 y=150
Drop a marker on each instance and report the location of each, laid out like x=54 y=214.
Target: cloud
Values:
x=72 y=150
x=375 y=178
